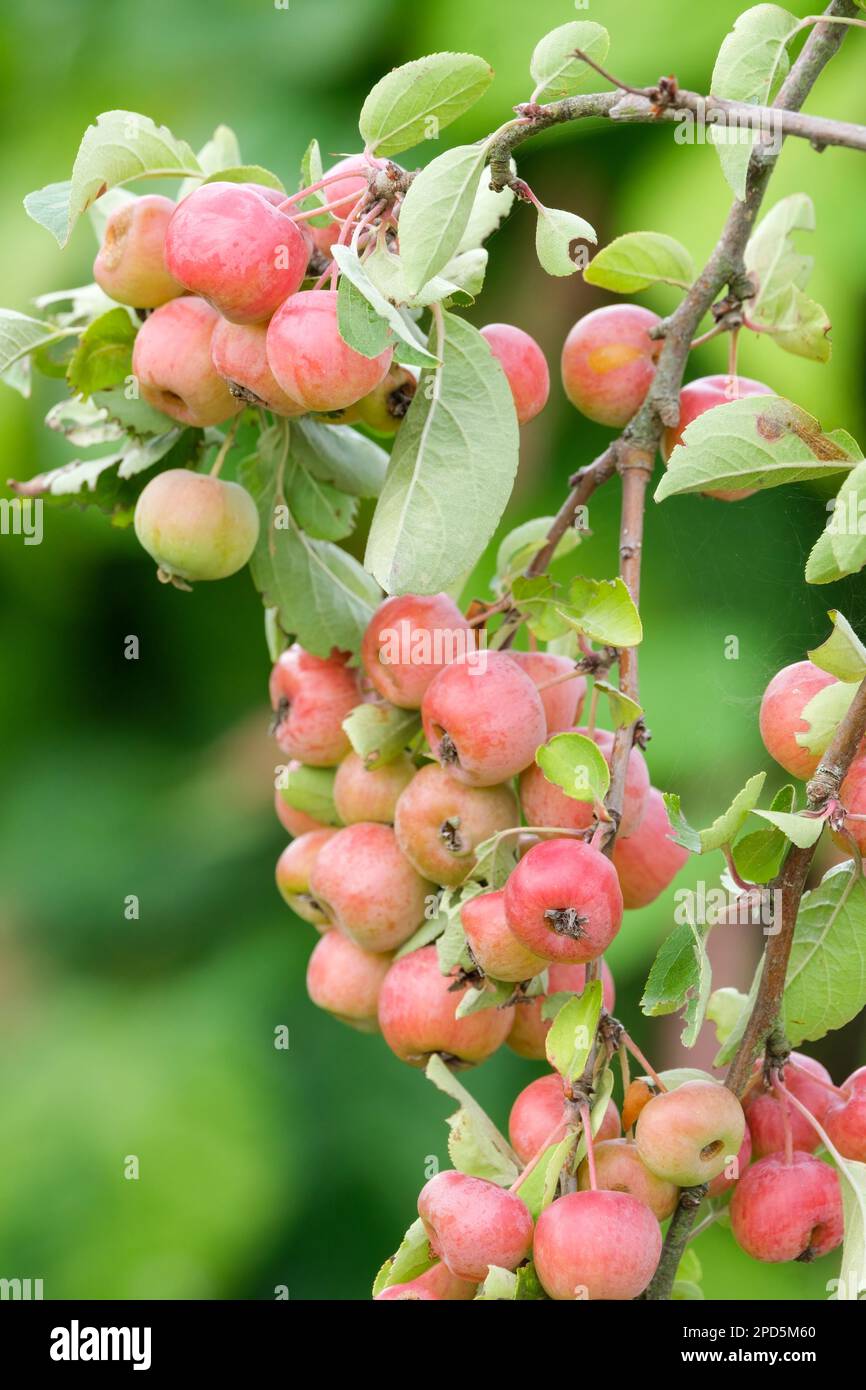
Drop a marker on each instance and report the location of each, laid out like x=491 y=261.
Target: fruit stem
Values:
x=593 y=710
x=827 y=1085
x=224 y=447
x=539 y=1154
x=638 y=1055
x=586 y=1120
x=782 y=1096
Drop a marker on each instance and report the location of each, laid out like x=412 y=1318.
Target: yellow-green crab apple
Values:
x=239 y=356
x=384 y=409
x=313 y=364
x=787 y=1210
x=596 y=1245
x=546 y=804
x=409 y=640
x=483 y=718
x=294 y=821
x=171 y=360
x=440 y=822
x=619 y=1168
x=609 y=361
x=294 y=867
x=781 y=716
x=562 y=702
x=540 y=1109
x=310 y=697
x=529 y=1030
x=417 y=1015
x=346 y=981
x=368 y=888
x=130 y=264
x=494 y=946
x=845 y=1119
x=686 y=1135
x=195 y=526
x=524 y=365
x=472 y=1224
x=563 y=901
x=435 y=1285
x=365 y=793
x=811 y=1083
x=704 y=394
x=648 y=861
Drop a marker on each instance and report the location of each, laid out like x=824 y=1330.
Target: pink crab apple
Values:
x=563 y=901
x=362 y=793
x=562 y=702
x=368 y=888
x=311 y=696
x=472 y=1224
x=852 y=795
x=483 y=719
x=340 y=196
x=194 y=526
x=647 y=861
x=737 y=1163
x=609 y=361
x=130 y=264
x=440 y=822
x=494 y=946
x=686 y=1135
x=701 y=395
x=812 y=1084
x=845 y=1119
x=171 y=360
x=524 y=365
x=235 y=248
x=277 y=198
x=313 y=364
x=294 y=867
x=787 y=1211
x=385 y=408
x=619 y=1168
x=544 y=803
x=435 y=1285
x=417 y=1015
x=596 y=1245
x=781 y=715
x=409 y=640
x=346 y=981
x=294 y=821
x=239 y=356
x=529 y=1030
x=537 y=1111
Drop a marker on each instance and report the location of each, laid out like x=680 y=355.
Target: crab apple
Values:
x=686 y=1135
x=562 y=702
x=294 y=821
x=620 y=1168
x=239 y=356
x=440 y=822
x=544 y=803
x=294 y=867
x=529 y=1030
x=483 y=718
x=539 y=1108
x=494 y=946
x=171 y=360
x=563 y=901
x=609 y=361
x=436 y=1284
x=781 y=716
x=368 y=888
x=346 y=981
x=312 y=362
x=596 y=1245
x=701 y=395
x=787 y=1211
x=472 y=1224
x=277 y=197
x=371 y=793
x=852 y=795
x=409 y=640
x=524 y=365
x=236 y=249
x=130 y=265
x=195 y=526
x=416 y=1015
x=738 y=1162
x=648 y=861
x=340 y=197
x=812 y=1084
x=845 y=1120
x=311 y=696
x=384 y=409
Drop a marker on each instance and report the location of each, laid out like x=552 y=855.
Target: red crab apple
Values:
x=619 y=1168
x=596 y=1245
x=493 y=944
x=735 y=1167
x=384 y=409
x=483 y=718
x=472 y=1224
x=524 y=365
x=294 y=821
x=537 y=1111
x=311 y=696
x=362 y=793
x=130 y=265
x=195 y=526
x=701 y=395
x=562 y=702
x=852 y=795
x=563 y=901
x=812 y=1084
x=544 y=803
x=440 y=822
x=648 y=861
x=313 y=364
x=787 y=1211
x=529 y=1030
x=237 y=250
x=239 y=356
x=171 y=360
x=416 y=1015
x=781 y=716
x=436 y=1284
x=845 y=1120
x=685 y=1135
x=340 y=197
x=609 y=361
x=346 y=981
x=368 y=888
x=294 y=867
x=409 y=640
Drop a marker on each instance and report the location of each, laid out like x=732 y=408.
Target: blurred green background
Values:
x=154 y=1037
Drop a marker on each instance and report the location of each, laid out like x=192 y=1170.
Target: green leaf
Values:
x=132 y=412
x=824 y=713
x=822 y=566
x=429 y=931
x=521 y=545
x=500 y=1284
x=683 y=833
x=436 y=212
x=494 y=860
x=311 y=790
x=379 y=732
x=489 y=210
x=681 y=979
x=758 y=856
x=735 y=1036
x=418 y=100
x=572 y=1033
x=843 y=654
x=339 y=455
x=724 y=1009
x=800 y=830
x=555 y=70
x=360 y=326
x=83 y=423
x=247 y=173
x=638 y=260
x=311 y=172
x=20 y=335
x=320 y=509
x=758 y=442
x=538 y=1190
x=221 y=151
x=577 y=765
x=725 y=828
x=112 y=481
x=411 y=1259
x=451 y=470
x=49 y=207
x=604 y=611
x=539 y=598
x=475 y=1144
x=380 y=322
x=846 y=525
x=558 y=241
x=780 y=272
x=598 y=1110
x=826 y=982
x=623 y=710
x=103 y=357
